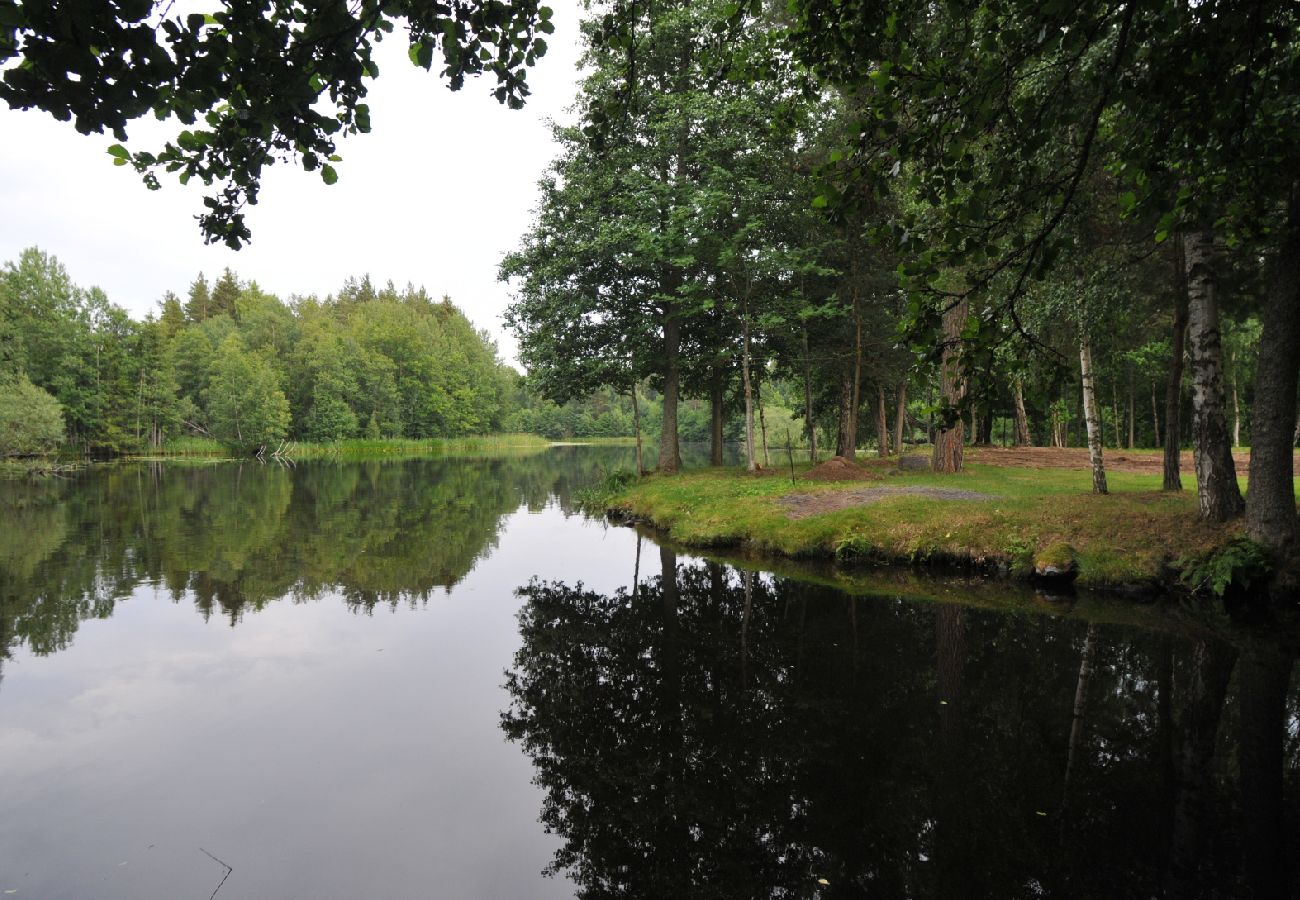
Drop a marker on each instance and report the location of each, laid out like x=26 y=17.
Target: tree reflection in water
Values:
x=718 y=735
x=232 y=538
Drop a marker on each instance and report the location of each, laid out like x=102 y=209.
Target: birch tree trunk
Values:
x=750 y=465
x=949 y=440
x=762 y=424
x=1022 y=438
x=1091 y=420
x=1216 y=475
x=1270 y=504
x=1236 y=416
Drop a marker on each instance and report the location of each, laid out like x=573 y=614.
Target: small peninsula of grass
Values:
x=990 y=517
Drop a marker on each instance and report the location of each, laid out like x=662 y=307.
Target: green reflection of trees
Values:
x=720 y=735
x=235 y=537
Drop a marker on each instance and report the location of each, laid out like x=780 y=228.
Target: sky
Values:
x=435 y=194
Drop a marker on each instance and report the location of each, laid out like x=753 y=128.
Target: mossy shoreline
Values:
x=1008 y=523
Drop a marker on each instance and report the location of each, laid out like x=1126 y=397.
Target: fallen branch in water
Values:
x=228 y=869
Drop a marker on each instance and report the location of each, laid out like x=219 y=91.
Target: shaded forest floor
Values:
x=1150 y=461
x=995 y=517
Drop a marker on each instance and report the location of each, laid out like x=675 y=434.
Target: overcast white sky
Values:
x=441 y=187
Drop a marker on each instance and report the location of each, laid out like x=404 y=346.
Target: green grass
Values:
x=363 y=448
x=1135 y=534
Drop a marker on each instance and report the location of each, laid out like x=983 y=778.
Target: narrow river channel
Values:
x=435 y=679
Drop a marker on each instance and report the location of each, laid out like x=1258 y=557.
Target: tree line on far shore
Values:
x=234 y=363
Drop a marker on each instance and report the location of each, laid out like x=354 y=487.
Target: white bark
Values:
x=1091 y=419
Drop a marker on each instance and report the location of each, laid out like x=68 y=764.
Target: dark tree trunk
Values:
x=1216 y=475
x=808 y=401
x=900 y=418
x=882 y=423
x=1132 y=417
x=848 y=434
x=1023 y=438
x=1174 y=391
x=636 y=426
x=1155 y=415
x=670 y=454
x=986 y=424
x=715 y=421
x=949 y=442
x=1270 y=502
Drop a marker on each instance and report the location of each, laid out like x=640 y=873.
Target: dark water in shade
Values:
x=432 y=679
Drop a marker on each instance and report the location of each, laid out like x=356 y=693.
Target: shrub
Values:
x=31 y=421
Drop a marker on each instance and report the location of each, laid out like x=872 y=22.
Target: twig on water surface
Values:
x=228 y=869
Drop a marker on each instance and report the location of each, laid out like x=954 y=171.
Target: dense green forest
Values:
x=1061 y=224
x=232 y=362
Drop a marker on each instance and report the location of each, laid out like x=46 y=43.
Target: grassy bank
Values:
x=1004 y=518
x=363 y=448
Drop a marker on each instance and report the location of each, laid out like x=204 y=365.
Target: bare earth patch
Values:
x=837 y=468
x=801 y=506
x=1077 y=458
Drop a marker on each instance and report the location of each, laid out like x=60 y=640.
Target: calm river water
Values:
x=434 y=679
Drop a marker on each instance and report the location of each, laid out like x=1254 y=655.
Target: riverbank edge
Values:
x=1184 y=567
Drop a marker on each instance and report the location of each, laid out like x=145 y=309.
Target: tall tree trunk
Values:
x=1174 y=390
x=1155 y=416
x=1216 y=476
x=1090 y=416
x=1132 y=418
x=636 y=426
x=715 y=418
x=882 y=423
x=852 y=449
x=762 y=424
x=847 y=438
x=900 y=418
x=809 y=421
x=1270 y=504
x=1023 y=438
x=747 y=381
x=1236 y=414
x=670 y=453
x=949 y=442
x=1114 y=413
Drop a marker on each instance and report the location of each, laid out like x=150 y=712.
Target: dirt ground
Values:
x=800 y=506
x=1148 y=461
x=837 y=468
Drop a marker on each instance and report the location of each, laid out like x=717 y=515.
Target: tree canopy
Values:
x=252 y=82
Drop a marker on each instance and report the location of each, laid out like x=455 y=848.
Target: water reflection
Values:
x=234 y=537
x=710 y=733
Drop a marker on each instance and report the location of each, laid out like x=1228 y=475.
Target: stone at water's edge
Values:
x=1058 y=562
